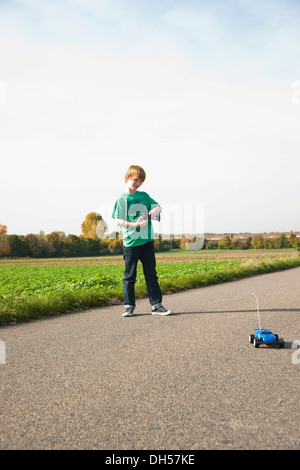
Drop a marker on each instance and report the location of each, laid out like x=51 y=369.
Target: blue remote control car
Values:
x=264 y=336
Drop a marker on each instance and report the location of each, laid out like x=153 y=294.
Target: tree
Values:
x=25 y=246
x=245 y=244
x=236 y=244
x=89 y=247
x=211 y=245
x=3 y=230
x=16 y=245
x=292 y=240
x=54 y=241
x=71 y=246
x=280 y=242
x=257 y=242
x=5 y=248
x=93 y=226
x=183 y=242
x=115 y=246
x=225 y=243
x=268 y=243
x=34 y=245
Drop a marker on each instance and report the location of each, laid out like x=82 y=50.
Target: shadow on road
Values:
x=287 y=344
x=198 y=312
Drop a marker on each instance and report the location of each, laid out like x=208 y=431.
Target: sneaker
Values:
x=128 y=312
x=161 y=311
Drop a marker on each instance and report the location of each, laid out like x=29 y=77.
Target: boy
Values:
x=133 y=212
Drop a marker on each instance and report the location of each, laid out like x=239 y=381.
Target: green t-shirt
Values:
x=130 y=207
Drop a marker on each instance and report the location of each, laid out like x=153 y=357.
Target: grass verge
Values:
x=23 y=305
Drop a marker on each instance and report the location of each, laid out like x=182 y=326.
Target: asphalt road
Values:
x=96 y=380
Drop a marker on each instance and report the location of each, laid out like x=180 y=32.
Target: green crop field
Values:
x=33 y=288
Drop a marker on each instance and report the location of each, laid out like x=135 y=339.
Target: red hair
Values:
x=135 y=170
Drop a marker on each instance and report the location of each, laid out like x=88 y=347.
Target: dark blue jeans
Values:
x=144 y=253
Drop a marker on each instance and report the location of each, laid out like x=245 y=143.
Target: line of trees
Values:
x=59 y=245
x=256 y=242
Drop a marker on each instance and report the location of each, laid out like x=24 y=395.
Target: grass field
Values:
x=33 y=288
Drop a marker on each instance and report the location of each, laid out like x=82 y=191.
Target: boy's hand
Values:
x=154 y=212
x=141 y=222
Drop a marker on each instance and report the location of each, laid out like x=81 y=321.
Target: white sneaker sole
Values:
x=169 y=312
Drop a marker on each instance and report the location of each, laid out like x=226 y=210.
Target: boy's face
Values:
x=134 y=183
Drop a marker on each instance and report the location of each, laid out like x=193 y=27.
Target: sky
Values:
x=204 y=95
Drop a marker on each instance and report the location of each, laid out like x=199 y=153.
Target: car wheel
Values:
x=251 y=338
x=255 y=343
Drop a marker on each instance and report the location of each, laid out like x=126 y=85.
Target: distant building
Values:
x=244 y=236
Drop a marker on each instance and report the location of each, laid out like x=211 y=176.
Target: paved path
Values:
x=95 y=380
